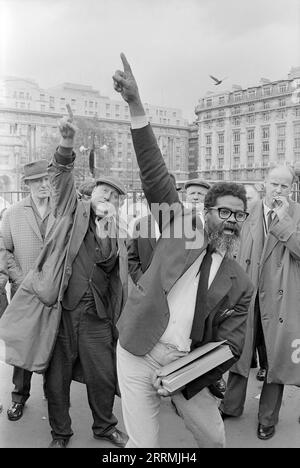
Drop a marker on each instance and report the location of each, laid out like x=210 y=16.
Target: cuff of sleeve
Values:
x=139 y=121
x=67 y=152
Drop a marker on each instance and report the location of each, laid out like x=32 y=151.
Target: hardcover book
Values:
x=199 y=361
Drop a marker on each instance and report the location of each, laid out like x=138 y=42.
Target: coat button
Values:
x=280 y=292
x=281 y=320
x=279 y=264
x=248 y=261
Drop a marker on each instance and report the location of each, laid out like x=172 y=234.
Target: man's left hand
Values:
x=157 y=384
x=281 y=207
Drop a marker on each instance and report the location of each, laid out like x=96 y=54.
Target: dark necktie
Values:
x=201 y=298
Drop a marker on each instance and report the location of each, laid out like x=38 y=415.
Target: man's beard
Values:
x=229 y=244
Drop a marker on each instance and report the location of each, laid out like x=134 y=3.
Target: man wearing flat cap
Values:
x=78 y=287
x=196 y=190
x=93 y=289
x=26 y=226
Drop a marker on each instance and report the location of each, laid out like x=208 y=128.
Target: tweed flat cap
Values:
x=35 y=169
x=201 y=183
x=116 y=184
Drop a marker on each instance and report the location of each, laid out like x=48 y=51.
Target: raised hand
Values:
x=125 y=84
x=67 y=130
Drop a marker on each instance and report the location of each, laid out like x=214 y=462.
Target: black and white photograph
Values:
x=149 y=226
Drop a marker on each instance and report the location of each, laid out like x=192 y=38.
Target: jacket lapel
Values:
x=272 y=241
x=220 y=285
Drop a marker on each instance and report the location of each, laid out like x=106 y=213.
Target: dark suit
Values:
x=140 y=248
x=146 y=313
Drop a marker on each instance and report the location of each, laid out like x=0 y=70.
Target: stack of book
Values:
x=199 y=361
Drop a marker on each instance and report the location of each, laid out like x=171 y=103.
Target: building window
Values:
x=221 y=150
x=250 y=118
x=208 y=139
x=91 y=103
x=266 y=116
x=221 y=100
x=221 y=112
x=267 y=91
x=21 y=95
x=280 y=146
x=236 y=149
x=220 y=163
x=250 y=161
x=236 y=136
x=43 y=108
x=282 y=88
x=221 y=137
x=236 y=163
x=281 y=131
x=250 y=147
x=251 y=93
x=266 y=105
x=281 y=115
x=208 y=115
x=208 y=151
x=265 y=132
x=251 y=108
x=237 y=97
x=265 y=160
x=250 y=134
x=282 y=102
x=265 y=147
x=297 y=112
x=236 y=121
x=208 y=102
x=236 y=110
x=207 y=164
x=220 y=122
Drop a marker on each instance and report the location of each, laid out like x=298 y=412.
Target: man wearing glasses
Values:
x=191 y=293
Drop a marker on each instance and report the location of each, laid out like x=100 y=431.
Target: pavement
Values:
x=33 y=431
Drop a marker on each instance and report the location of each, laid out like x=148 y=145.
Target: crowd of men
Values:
x=222 y=266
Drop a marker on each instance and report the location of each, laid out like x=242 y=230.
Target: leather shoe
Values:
x=221 y=385
x=59 y=443
x=261 y=375
x=15 y=412
x=265 y=432
x=117 y=438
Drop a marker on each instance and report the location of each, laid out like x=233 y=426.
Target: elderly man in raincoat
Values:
x=270 y=254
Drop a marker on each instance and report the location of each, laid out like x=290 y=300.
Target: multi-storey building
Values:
x=28 y=130
x=243 y=132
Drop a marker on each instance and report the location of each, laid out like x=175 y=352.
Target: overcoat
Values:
x=29 y=333
x=273 y=265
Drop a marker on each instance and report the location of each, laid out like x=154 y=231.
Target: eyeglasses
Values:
x=225 y=213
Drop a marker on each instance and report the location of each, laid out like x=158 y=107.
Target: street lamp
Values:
x=83 y=150
x=104 y=148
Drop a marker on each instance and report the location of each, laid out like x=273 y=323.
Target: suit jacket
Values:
x=146 y=313
x=22 y=239
x=140 y=247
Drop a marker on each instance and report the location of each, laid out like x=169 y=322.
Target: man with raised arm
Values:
x=191 y=293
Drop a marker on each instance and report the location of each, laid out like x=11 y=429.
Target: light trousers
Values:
x=141 y=403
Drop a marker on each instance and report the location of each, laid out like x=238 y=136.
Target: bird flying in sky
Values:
x=217 y=81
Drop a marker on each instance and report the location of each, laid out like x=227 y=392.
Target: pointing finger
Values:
x=125 y=62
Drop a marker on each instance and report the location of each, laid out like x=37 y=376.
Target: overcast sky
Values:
x=173 y=45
